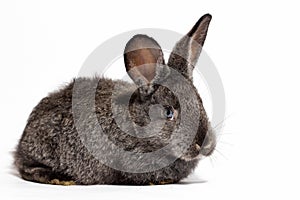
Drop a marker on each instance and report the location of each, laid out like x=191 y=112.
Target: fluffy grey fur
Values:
x=52 y=149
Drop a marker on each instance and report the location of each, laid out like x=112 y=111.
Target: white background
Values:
x=255 y=46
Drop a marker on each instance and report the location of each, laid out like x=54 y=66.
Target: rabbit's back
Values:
x=50 y=138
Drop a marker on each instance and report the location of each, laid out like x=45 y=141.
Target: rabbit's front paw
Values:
x=64 y=183
x=164 y=182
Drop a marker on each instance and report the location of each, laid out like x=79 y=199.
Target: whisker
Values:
x=217 y=127
x=221 y=153
x=227 y=133
x=221 y=122
x=211 y=161
x=220 y=136
x=219 y=141
x=214 y=157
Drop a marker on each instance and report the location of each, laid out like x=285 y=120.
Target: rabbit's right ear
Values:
x=187 y=51
x=144 y=62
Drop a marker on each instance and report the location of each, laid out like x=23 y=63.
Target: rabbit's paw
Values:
x=58 y=182
x=164 y=182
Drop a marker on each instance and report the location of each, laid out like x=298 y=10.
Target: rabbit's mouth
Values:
x=192 y=154
x=209 y=144
x=196 y=151
x=207 y=151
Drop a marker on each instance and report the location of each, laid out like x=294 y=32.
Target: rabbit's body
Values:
x=52 y=147
x=50 y=141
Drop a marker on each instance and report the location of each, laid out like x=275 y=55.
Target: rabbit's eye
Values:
x=169 y=113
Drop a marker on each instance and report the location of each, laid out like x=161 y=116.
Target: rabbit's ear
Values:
x=187 y=51
x=144 y=60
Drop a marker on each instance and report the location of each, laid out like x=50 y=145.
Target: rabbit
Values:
x=51 y=150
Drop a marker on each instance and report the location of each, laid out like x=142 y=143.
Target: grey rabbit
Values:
x=52 y=151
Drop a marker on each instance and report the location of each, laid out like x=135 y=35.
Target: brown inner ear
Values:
x=142 y=55
x=144 y=60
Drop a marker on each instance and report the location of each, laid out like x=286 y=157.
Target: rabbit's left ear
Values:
x=187 y=51
x=144 y=62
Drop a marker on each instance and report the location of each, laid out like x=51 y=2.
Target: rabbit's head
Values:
x=166 y=98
